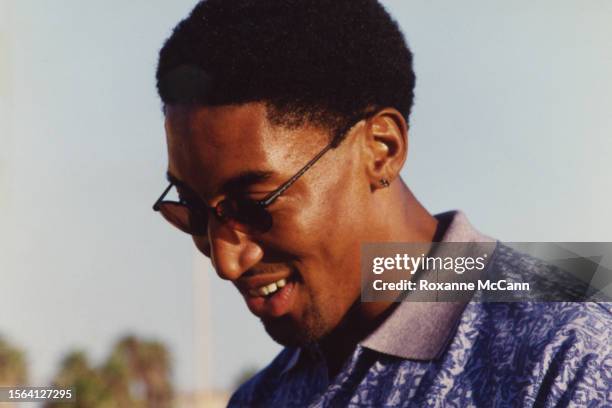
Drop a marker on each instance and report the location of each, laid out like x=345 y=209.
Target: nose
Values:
x=232 y=252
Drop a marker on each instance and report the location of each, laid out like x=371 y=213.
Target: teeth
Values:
x=268 y=289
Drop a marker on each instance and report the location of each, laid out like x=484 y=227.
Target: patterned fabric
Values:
x=521 y=354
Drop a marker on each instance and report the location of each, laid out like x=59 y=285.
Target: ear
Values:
x=386 y=146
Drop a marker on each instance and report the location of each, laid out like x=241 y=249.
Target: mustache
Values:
x=273 y=262
x=267 y=269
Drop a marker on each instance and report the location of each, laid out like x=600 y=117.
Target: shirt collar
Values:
x=421 y=330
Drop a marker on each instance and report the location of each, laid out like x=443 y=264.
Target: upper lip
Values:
x=255 y=282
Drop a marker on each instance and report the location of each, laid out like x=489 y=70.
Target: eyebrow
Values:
x=234 y=184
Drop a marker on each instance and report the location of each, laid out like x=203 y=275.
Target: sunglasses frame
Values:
x=263 y=203
x=268 y=199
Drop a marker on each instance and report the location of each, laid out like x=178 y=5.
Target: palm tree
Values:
x=135 y=375
x=149 y=364
x=87 y=384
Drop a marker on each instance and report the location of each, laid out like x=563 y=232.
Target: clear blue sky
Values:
x=512 y=124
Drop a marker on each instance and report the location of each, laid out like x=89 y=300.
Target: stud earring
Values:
x=384 y=182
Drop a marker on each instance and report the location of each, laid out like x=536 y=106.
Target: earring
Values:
x=384 y=182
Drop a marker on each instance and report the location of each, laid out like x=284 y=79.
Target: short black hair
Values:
x=323 y=61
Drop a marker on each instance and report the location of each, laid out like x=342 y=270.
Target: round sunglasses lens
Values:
x=182 y=218
x=245 y=215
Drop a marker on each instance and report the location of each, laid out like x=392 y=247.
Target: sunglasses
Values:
x=239 y=213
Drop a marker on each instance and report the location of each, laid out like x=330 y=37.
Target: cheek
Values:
x=333 y=232
x=345 y=215
x=342 y=244
x=323 y=228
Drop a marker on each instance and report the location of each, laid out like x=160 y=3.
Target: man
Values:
x=287 y=127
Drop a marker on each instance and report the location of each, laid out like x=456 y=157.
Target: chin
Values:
x=286 y=331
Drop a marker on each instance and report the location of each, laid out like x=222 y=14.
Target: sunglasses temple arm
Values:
x=161 y=197
x=268 y=200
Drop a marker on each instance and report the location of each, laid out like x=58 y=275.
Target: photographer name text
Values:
x=488 y=285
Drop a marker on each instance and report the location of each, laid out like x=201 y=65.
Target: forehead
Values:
x=231 y=130
x=208 y=145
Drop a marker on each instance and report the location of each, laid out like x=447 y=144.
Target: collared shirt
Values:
x=459 y=354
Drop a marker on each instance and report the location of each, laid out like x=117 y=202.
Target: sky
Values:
x=511 y=124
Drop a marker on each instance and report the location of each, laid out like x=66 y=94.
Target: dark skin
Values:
x=319 y=222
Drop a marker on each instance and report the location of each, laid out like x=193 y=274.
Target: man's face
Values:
x=313 y=245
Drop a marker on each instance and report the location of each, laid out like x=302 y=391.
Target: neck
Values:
x=338 y=346
x=403 y=219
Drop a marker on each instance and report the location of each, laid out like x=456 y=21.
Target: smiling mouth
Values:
x=273 y=299
x=257 y=286
x=268 y=290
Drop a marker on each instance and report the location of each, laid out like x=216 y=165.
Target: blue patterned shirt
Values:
x=474 y=354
